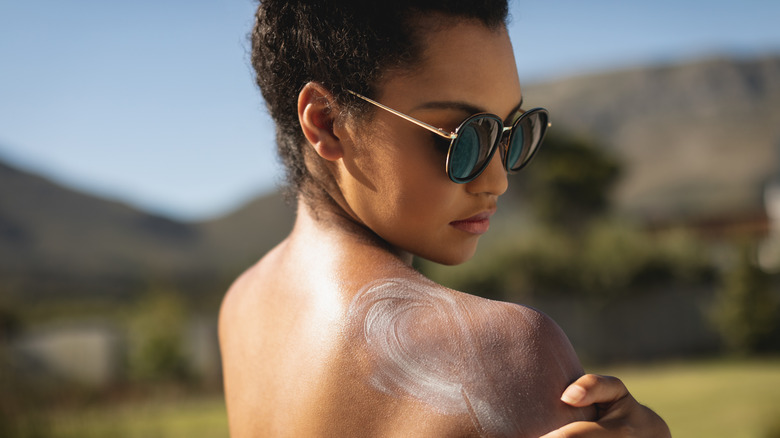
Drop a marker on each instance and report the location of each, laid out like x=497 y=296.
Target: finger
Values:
x=580 y=429
x=593 y=388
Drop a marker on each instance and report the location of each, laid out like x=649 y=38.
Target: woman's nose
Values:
x=493 y=179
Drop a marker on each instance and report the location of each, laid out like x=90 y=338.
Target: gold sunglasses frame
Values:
x=453 y=135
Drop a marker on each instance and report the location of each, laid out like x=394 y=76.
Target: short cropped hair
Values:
x=342 y=45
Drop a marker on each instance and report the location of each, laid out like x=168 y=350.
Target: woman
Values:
x=333 y=333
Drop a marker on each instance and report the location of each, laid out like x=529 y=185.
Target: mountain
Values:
x=50 y=235
x=695 y=139
x=240 y=238
x=54 y=239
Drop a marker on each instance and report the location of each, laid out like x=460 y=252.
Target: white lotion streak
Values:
x=422 y=345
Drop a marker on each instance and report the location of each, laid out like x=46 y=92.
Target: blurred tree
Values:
x=157 y=338
x=607 y=259
x=746 y=312
x=23 y=395
x=569 y=183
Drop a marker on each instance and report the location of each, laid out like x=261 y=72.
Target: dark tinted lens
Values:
x=516 y=148
x=473 y=147
x=527 y=135
x=464 y=154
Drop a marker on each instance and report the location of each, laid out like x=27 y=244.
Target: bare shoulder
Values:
x=501 y=365
x=404 y=357
x=237 y=300
x=240 y=289
x=525 y=335
x=269 y=358
x=251 y=292
x=506 y=331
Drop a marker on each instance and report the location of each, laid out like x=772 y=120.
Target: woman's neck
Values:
x=329 y=223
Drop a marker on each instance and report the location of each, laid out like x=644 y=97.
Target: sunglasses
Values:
x=477 y=138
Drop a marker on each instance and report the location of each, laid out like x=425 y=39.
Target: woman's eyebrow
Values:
x=463 y=107
x=451 y=105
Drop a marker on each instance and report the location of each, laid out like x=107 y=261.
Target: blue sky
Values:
x=153 y=102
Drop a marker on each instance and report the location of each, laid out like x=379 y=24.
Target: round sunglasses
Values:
x=477 y=138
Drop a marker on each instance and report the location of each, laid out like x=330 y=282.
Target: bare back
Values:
x=340 y=338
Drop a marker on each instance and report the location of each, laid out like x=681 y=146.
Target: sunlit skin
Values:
x=297 y=355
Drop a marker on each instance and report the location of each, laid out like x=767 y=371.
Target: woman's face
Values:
x=392 y=175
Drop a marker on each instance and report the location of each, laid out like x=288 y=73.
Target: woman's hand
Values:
x=619 y=414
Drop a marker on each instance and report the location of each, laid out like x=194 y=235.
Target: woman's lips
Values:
x=477 y=224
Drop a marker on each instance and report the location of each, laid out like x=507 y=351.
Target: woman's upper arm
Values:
x=527 y=363
x=501 y=366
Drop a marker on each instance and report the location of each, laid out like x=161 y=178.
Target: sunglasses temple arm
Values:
x=420 y=123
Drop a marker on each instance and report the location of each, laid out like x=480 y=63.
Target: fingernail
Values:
x=573 y=394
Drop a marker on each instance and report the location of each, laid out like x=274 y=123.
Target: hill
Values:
x=696 y=139
x=240 y=238
x=56 y=240
x=52 y=237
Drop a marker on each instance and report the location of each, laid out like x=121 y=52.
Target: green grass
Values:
x=734 y=399
x=713 y=399
x=193 y=418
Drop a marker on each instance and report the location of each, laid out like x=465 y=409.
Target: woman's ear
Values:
x=316 y=116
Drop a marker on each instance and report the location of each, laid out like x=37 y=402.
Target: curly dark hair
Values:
x=340 y=44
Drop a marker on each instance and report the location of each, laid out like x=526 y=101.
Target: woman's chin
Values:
x=452 y=257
